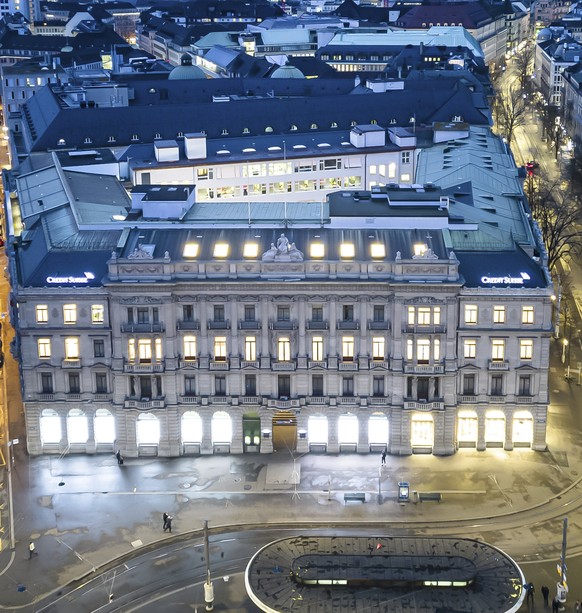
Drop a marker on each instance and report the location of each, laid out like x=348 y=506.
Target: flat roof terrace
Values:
x=396 y=574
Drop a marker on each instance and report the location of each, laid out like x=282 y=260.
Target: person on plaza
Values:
x=577 y=607
x=384 y=456
x=545 y=594
x=555 y=605
x=530 y=589
x=169 y=524
x=165 y=518
x=119 y=457
x=32 y=550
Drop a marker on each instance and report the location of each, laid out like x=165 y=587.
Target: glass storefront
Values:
x=148 y=429
x=378 y=429
x=317 y=429
x=191 y=427
x=523 y=428
x=50 y=427
x=77 y=428
x=495 y=428
x=467 y=428
x=347 y=429
x=422 y=430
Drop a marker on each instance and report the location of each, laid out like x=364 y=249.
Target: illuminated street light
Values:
x=565 y=344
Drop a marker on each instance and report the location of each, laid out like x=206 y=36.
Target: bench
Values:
x=425 y=496
x=355 y=497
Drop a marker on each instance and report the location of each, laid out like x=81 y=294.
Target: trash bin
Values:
x=403 y=491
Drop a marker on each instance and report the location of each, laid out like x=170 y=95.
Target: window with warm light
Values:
x=348 y=348
x=158 y=349
x=347 y=250
x=378 y=344
x=526 y=349
x=436 y=349
x=72 y=348
x=189 y=347
x=470 y=348
x=497 y=350
x=527 y=315
x=419 y=248
x=250 y=250
x=131 y=350
x=97 y=313
x=190 y=250
x=498 y=314
x=44 y=348
x=70 y=313
x=250 y=348
x=144 y=350
x=283 y=349
x=220 y=349
x=221 y=250
x=470 y=314
x=317 y=250
x=41 y=313
x=378 y=250
x=436 y=316
x=423 y=316
x=411 y=315
x=423 y=350
x=317 y=349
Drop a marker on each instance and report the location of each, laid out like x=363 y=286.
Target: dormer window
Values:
x=333 y=124
x=353 y=123
x=180 y=135
x=158 y=136
x=246 y=131
x=293 y=128
x=61 y=142
x=457 y=118
x=268 y=129
x=224 y=132
x=313 y=126
x=111 y=139
x=87 y=141
x=135 y=137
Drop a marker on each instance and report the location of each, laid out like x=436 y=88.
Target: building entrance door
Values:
x=251 y=433
x=284 y=431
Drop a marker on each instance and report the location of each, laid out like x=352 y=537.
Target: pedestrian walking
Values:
x=165 y=517
x=545 y=594
x=169 y=523
x=119 y=457
x=32 y=550
x=530 y=589
x=555 y=605
x=577 y=607
x=384 y=456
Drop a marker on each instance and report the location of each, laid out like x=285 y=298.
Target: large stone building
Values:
x=415 y=318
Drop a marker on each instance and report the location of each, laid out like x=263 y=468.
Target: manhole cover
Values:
x=248 y=487
x=185 y=486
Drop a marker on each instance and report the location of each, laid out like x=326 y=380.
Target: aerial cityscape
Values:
x=291 y=306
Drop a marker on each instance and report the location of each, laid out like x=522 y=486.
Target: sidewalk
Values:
x=83 y=511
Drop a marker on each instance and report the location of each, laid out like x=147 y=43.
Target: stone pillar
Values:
x=233 y=349
x=266 y=426
x=332 y=326
x=91 y=446
x=540 y=416
x=508 y=446
x=206 y=447
x=64 y=442
x=481 y=446
x=302 y=305
x=332 y=433
x=444 y=424
x=363 y=442
x=265 y=354
x=236 y=445
x=203 y=309
x=405 y=432
x=302 y=434
x=126 y=424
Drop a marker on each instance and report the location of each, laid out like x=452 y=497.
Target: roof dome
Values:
x=186 y=71
x=287 y=72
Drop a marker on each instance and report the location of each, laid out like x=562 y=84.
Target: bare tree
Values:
x=510 y=111
x=557 y=211
x=523 y=67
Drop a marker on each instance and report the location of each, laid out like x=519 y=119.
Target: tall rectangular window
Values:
x=317 y=348
x=249 y=312
x=405 y=157
x=72 y=348
x=97 y=313
x=526 y=349
x=423 y=350
x=101 y=383
x=347 y=386
x=74 y=383
x=144 y=350
x=284 y=386
x=527 y=315
x=498 y=314
x=348 y=312
x=348 y=348
x=409 y=349
x=250 y=348
x=131 y=349
x=189 y=347
x=189 y=385
x=470 y=348
x=283 y=313
x=44 y=348
x=41 y=313
x=250 y=385
x=411 y=316
x=378 y=315
x=497 y=385
x=469 y=384
x=70 y=313
x=524 y=385
x=98 y=348
x=378 y=386
x=283 y=349
x=158 y=349
x=317 y=313
x=220 y=349
x=378 y=348
x=317 y=385
x=46 y=383
x=436 y=316
x=188 y=312
x=436 y=349
x=497 y=350
x=219 y=312
x=471 y=314
x=423 y=316
x=143 y=316
x=220 y=385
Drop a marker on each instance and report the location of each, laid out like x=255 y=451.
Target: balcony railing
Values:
x=219 y=365
x=424 y=369
x=345 y=365
x=524 y=399
x=143 y=367
x=218 y=325
x=348 y=325
x=142 y=327
x=250 y=364
x=188 y=324
x=283 y=325
x=190 y=399
x=316 y=399
x=470 y=398
x=276 y=365
x=378 y=325
x=144 y=404
x=68 y=363
x=279 y=403
x=424 y=405
x=424 y=329
x=250 y=400
x=317 y=364
x=245 y=324
x=499 y=365
x=316 y=324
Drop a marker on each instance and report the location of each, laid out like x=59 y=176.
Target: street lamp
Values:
x=564 y=345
